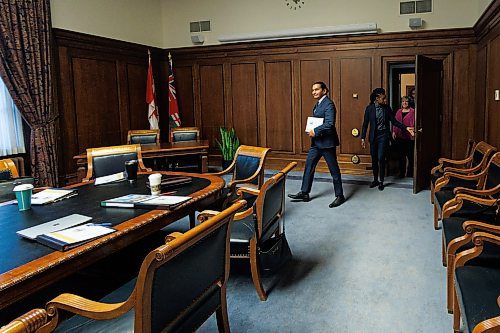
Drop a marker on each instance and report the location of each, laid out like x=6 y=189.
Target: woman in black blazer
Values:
x=379 y=115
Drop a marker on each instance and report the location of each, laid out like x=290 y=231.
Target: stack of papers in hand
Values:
x=145 y=201
x=313 y=122
x=52 y=195
x=66 y=239
x=116 y=177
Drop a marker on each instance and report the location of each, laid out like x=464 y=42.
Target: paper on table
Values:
x=116 y=177
x=313 y=122
x=51 y=195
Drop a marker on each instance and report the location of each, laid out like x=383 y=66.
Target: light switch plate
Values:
x=497 y=95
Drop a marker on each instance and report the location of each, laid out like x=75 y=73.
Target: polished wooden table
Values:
x=198 y=148
x=27 y=266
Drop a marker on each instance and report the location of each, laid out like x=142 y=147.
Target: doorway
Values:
x=401 y=83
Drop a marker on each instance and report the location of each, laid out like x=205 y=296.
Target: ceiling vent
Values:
x=413 y=7
x=199 y=26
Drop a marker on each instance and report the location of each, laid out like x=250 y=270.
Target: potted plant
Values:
x=228 y=145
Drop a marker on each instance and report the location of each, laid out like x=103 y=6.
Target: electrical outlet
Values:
x=497 y=95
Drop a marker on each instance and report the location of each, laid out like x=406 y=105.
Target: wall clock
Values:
x=294 y=4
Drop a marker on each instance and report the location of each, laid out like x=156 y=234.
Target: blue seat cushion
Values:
x=143 y=139
x=246 y=166
x=469 y=209
x=452 y=228
x=477 y=290
x=111 y=164
x=5 y=175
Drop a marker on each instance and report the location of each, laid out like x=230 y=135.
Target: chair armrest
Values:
x=248 y=190
x=170 y=237
x=462 y=170
x=28 y=322
x=445 y=179
x=206 y=214
x=241 y=215
x=464 y=190
x=478 y=238
x=456 y=203
x=442 y=161
x=470 y=227
x=88 y=308
x=488 y=325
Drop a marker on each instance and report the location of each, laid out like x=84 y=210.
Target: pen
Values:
x=167 y=193
x=101 y=224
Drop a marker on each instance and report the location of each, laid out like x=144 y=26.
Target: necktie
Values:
x=315 y=107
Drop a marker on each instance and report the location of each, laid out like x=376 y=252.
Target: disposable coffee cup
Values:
x=131 y=170
x=23 y=196
x=155 y=183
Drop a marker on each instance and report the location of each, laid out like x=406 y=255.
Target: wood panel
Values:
x=354 y=97
x=212 y=103
x=184 y=86
x=480 y=88
x=310 y=71
x=138 y=109
x=279 y=115
x=244 y=102
x=493 y=107
x=97 y=119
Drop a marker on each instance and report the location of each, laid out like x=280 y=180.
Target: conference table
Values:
x=198 y=148
x=27 y=266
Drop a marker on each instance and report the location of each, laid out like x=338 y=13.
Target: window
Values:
x=11 y=125
x=413 y=7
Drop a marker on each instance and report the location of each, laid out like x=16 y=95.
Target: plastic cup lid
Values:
x=23 y=187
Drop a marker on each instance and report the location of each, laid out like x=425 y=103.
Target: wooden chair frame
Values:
x=187 y=129
x=9 y=164
x=29 y=322
x=259 y=152
x=258 y=212
x=479 y=192
x=478 y=238
x=449 y=256
x=132 y=133
x=140 y=298
x=113 y=150
x=451 y=167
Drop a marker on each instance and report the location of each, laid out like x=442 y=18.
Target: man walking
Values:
x=324 y=140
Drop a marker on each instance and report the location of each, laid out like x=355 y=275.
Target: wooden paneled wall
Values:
x=263 y=89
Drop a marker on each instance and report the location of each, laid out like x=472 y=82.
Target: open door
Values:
x=428 y=103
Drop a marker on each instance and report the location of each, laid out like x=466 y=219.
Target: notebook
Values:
x=54 y=225
x=145 y=201
x=66 y=239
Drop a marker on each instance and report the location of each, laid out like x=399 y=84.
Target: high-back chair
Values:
x=473 y=164
x=105 y=161
x=179 y=285
x=7 y=165
x=258 y=233
x=185 y=134
x=143 y=136
x=246 y=169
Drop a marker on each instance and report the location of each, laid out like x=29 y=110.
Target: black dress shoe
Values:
x=300 y=196
x=374 y=184
x=381 y=187
x=337 y=202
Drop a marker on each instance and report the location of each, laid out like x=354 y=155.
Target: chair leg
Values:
x=450 y=290
x=436 y=218
x=221 y=314
x=254 y=266
x=432 y=193
x=456 y=314
x=443 y=252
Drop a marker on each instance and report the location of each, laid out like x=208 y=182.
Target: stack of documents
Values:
x=116 y=177
x=145 y=201
x=52 y=195
x=66 y=239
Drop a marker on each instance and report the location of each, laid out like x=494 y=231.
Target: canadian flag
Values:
x=153 y=115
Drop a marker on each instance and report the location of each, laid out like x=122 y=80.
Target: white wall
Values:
x=165 y=23
x=127 y=20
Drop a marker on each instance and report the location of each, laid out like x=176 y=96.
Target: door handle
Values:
x=420 y=130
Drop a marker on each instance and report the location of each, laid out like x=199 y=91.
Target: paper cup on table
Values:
x=155 y=183
x=23 y=196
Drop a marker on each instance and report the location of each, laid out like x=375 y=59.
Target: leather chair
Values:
x=477 y=288
x=473 y=164
x=246 y=169
x=185 y=134
x=484 y=182
x=188 y=163
x=258 y=226
x=143 y=137
x=7 y=165
x=106 y=161
x=179 y=285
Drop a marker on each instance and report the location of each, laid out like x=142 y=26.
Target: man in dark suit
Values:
x=324 y=140
x=379 y=116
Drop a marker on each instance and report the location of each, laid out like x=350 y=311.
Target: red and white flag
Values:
x=153 y=115
x=173 y=107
